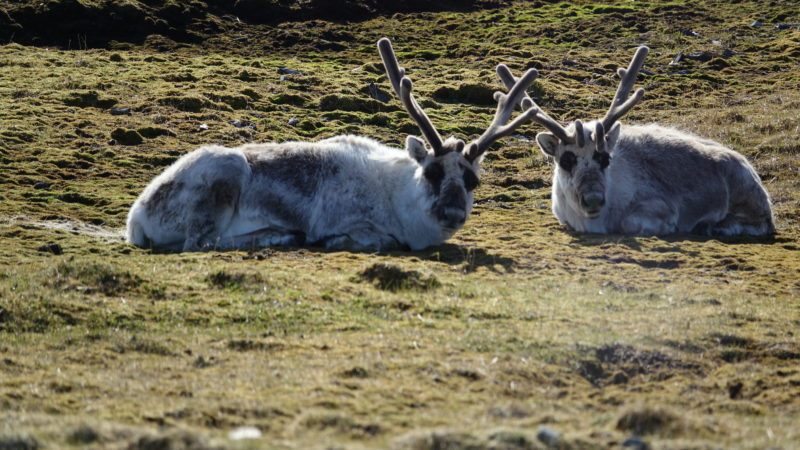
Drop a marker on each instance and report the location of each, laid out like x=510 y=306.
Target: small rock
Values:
x=51 y=248
x=687 y=32
x=243 y=433
x=727 y=53
x=636 y=443
x=757 y=24
x=243 y=124
x=42 y=185
x=288 y=71
x=569 y=63
x=203 y=127
x=293 y=121
x=521 y=137
x=120 y=111
x=677 y=59
x=785 y=26
x=548 y=436
x=700 y=56
x=378 y=94
x=716 y=43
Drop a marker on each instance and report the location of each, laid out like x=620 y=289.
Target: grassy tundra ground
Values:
x=512 y=325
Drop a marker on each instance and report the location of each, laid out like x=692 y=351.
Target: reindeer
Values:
x=344 y=193
x=647 y=179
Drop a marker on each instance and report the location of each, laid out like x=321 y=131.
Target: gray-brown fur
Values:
x=648 y=180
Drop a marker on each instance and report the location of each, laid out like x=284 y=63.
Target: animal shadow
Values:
x=471 y=258
x=632 y=242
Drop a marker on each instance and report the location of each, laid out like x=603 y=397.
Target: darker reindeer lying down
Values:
x=647 y=180
x=346 y=192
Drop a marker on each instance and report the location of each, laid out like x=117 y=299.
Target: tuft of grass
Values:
x=88 y=278
x=86 y=99
x=389 y=277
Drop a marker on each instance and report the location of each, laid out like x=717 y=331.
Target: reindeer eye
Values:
x=603 y=158
x=470 y=180
x=434 y=173
x=568 y=161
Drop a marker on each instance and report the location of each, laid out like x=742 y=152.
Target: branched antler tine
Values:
x=621 y=103
x=526 y=103
x=402 y=87
x=506 y=103
x=509 y=80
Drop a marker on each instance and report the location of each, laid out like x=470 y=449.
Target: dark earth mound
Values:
x=96 y=23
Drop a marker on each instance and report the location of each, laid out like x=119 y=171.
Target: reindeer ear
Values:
x=472 y=153
x=416 y=148
x=548 y=143
x=611 y=137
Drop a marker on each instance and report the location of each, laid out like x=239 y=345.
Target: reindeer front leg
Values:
x=363 y=239
x=651 y=218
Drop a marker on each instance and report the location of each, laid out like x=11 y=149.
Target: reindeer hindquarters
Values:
x=210 y=214
x=749 y=216
x=749 y=209
x=211 y=185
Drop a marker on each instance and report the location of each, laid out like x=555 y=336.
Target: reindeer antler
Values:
x=527 y=103
x=402 y=87
x=599 y=137
x=621 y=103
x=505 y=107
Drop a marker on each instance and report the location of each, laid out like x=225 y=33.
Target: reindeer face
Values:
x=450 y=170
x=451 y=179
x=581 y=169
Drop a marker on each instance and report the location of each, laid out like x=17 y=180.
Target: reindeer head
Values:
x=583 y=152
x=451 y=167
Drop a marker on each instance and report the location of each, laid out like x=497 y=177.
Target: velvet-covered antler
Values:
x=621 y=103
x=540 y=116
x=402 y=87
x=505 y=107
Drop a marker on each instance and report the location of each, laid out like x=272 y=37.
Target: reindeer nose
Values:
x=455 y=216
x=593 y=201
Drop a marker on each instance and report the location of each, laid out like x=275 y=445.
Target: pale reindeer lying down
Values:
x=346 y=192
x=647 y=179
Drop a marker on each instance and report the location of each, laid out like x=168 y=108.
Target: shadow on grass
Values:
x=633 y=242
x=471 y=258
